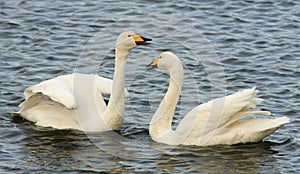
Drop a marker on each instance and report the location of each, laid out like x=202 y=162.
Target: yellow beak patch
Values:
x=155 y=61
x=138 y=38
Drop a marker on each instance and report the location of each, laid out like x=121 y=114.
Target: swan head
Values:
x=129 y=40
x=166 y=61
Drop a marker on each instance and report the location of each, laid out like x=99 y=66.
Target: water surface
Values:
x=251 y=43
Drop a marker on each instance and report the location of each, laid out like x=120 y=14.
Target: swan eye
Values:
x=129 y=35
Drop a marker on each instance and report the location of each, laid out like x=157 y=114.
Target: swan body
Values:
x=215 y=122
x=75 y=101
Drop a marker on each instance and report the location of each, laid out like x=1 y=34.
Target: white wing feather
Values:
x=60 y=89
x=55 y=89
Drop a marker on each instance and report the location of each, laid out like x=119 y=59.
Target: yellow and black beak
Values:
x=154 y=64
x=139 y=40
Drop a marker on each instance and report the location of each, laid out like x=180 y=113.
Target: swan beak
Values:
x=139 y=40
x=153 y=64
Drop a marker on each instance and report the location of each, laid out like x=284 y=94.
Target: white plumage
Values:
x=215 y=122
x=75 y=101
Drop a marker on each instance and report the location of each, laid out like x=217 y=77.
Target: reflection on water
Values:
x=257 y=44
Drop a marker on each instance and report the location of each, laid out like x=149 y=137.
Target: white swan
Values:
x=212 y=123
x=75 y=101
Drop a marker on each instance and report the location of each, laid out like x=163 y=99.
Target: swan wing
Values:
x=60 y=89
x=56 y=89
x=218 y=121
x=60 y=101
x=252 y=130
x=104 y=85
x=221 y=112
x=45 y=112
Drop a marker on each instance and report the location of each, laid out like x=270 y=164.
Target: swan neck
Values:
x=113 y=115
x=161 y=122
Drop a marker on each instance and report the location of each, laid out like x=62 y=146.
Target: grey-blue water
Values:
x=225 y=46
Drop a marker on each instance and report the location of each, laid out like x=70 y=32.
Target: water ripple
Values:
x=257 y=44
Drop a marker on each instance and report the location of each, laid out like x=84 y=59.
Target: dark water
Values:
x=222 y=44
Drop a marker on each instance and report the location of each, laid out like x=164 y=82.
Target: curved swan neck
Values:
x=162 y=120
x=113 y=114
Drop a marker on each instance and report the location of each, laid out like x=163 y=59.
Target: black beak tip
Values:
x=150 y=66
x=146 y=39
x=145 y=42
